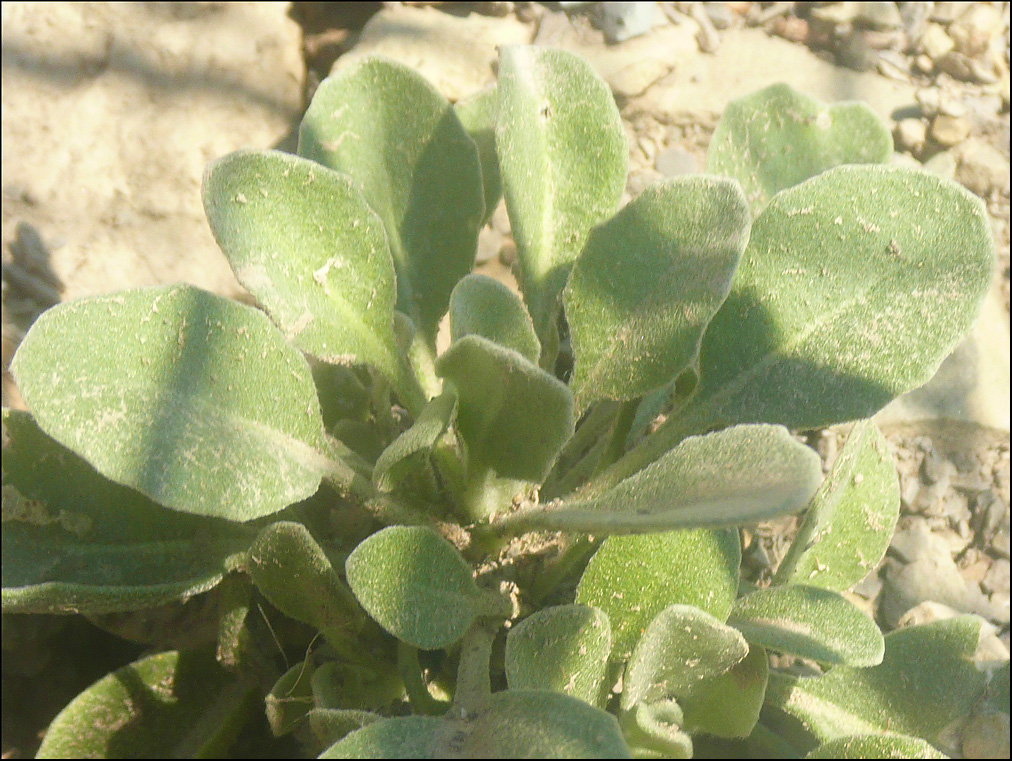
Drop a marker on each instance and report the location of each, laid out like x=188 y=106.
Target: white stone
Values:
x=456 y=54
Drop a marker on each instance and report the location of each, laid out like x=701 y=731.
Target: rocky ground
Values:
x=111 y=111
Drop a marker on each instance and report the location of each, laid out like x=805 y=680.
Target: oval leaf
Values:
x=809 y=622
x=740 y=475
x=74 y=541
x=634 y=578
x=400 y=141
x=681 y=646
x=728 y=705
x=512 y=724
x=286 y=550
x=926 y=681
x=854 y=287
x=483 y=306
x=562 y=156
x=562 y=649
x=194 y=400
x=775 y=138
x=513 y=416
x=175 y=705
x=649 y=281
x=415 y=585
x=402 y=737
x=303 y=240
x=850 y=522
x=876 y=746
x=535 y=724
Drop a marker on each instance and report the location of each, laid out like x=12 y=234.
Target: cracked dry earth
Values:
x=110 y=113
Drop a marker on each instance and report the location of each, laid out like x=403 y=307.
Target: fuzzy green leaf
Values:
x=401 y=737
x=286 y=550
x=681 y=646
x=397 y=460
x=809 y=622
x=513 y=416
x=850 y=522
x=563 y=649
x=728 y=705
x=303 y=240
x=485 y=307
x=775 y=138
x=876 y=746
x=194 y=400
x=634 y=578
x=477 y=113
x=854 y=286
x=535 y=724
x=74 y=541
x=562 y=156
x=925 y=682
x=400 y=141
x=169 y=705
x=512 y=724
x=649 y=281
x=415 y=585
x=742 y=474
x=654 y=730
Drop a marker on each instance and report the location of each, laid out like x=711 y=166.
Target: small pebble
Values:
x=986 y=735
x=935 y=43
x=911 y=134
x=674 y=162
x=949 y=130
x=929 y=99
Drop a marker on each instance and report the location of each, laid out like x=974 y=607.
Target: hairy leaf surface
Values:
x=399 y=140
x=513 y=416
x=284 y=551
x=192 y=399
x=728 y=705
x=477 y=113
x=925 y=682
x=303 y=240
x=564 y=649
x=485 y=307
x=739 y=475
x=649 y=281
x=850 y=521
x=854 y=287
x=876 y=746
x=634 y=578
x=74 y=541
x=775 y=138
x=415 y=584
x=562 y=156
x=680 y=646
x=809 y=622
x=176 y=705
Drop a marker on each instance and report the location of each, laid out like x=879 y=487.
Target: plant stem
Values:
x=577 y=474
x=589 y=431
x=422 y=361
x=411 y=673
x=474 y=683
x=619 y=433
